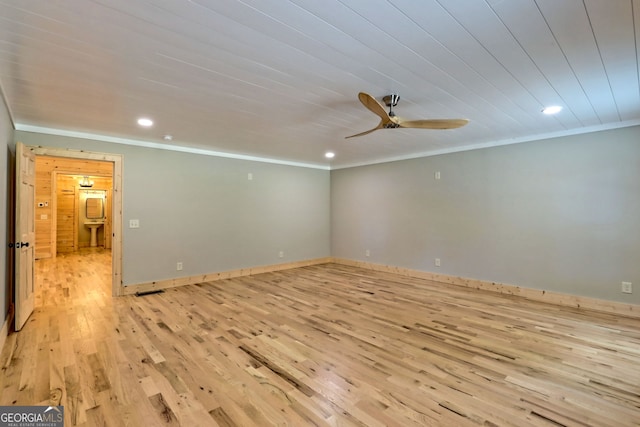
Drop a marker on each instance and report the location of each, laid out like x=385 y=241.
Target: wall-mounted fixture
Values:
x=85 y=183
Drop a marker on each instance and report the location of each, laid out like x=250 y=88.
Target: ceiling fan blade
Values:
x=374 y=106
x=433 y=123
x=380 y=126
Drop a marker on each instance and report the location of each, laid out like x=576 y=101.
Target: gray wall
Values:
x=560 y=214
x=203 y=210
x=7 y=152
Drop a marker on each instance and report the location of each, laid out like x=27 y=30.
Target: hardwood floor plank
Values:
x=221 y=418
x=73 y=400
x=167 y=417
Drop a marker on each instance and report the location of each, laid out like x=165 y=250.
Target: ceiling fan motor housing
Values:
x=391 y=100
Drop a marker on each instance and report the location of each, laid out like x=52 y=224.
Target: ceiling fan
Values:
x=391 y=121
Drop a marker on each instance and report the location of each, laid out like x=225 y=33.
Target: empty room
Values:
x=336 y=213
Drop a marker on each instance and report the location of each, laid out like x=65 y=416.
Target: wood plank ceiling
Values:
x=279 y=79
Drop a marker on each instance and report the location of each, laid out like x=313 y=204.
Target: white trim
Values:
x=192 y=150
x=160 y=146
x=541 y=137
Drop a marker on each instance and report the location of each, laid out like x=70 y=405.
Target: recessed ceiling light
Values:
x=145 y=122
x=168 y=137
x=329 y=154
x=552 y=109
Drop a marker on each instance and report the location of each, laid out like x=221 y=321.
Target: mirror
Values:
x=95 y=208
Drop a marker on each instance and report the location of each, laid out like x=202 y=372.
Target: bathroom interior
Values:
x=81 y=213
x=92 y=216
x=73 y=206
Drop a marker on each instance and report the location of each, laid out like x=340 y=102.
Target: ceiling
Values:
x=279 y=79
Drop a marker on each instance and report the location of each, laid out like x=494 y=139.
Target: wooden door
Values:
x=25 y=233
x=65 y=220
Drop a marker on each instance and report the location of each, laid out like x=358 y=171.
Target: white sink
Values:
x=93 y=226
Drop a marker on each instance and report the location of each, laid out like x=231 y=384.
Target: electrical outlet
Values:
x=367 y=253
x=437 y=262
x=437 y=175
x=626 y=288
x=134 y=223
x=280 y=254
x=179 y=266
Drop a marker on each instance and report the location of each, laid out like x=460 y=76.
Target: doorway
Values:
x=99 y=165
x=81 y=208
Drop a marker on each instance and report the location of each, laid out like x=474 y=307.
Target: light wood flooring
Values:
x=326 y=345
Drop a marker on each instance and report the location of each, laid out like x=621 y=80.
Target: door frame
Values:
x=116 y=226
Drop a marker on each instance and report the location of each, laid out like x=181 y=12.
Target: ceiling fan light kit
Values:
x=391 y=121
